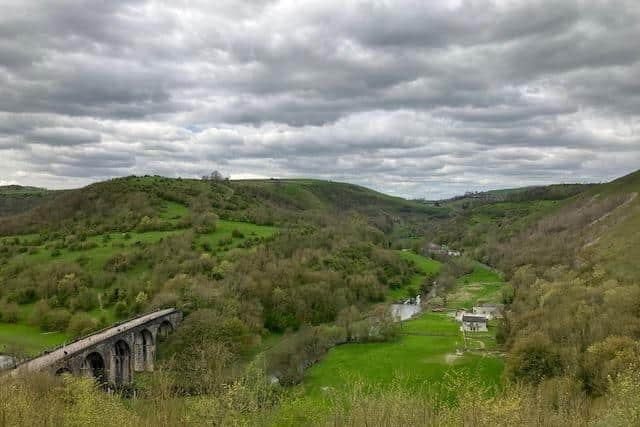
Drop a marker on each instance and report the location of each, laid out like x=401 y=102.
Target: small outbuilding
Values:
x=474 y=322
x=490 y=311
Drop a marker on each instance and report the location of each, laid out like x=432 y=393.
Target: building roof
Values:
x=473 y=318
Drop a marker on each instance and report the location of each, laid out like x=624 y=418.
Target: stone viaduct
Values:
x=111 y=355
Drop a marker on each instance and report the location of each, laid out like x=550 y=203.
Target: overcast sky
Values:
x=413 y=98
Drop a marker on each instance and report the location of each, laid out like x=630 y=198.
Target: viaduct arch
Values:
x=112 y=355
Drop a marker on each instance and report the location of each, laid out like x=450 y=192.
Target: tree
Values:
x=347 y=317
x=533 y=359
x=9 y=312
x=81 y=324
x=214 y=176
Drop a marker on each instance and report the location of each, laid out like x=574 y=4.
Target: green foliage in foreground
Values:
x=251 y=400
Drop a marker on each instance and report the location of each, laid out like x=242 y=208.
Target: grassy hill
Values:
x=83 y=258
x=478 y=221
x=575 y=272
x=594 y=227
x=119 y=204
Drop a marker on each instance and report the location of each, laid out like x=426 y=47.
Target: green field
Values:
x=426 y=265
x=31 y=340
x=28 y=339
x=429 y=348
x=480 y=286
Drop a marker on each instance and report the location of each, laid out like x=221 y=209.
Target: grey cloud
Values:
x=62 y=136
x=414 y=98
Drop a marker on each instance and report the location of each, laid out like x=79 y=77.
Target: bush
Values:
x=207 y=325
x=605 y=360
x=201 y=369
x=81 y=324
x=23 y=295
x=205 y=222
x=533 y=359
x=237 y=234
x=148 y=224
x=9 y=312
x=121 y=262
x=39 y=312
x=288 y=360
x=121 y=309
x=86 y=300
x=55 y=320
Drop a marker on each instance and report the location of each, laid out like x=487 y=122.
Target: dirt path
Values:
x=625 y=203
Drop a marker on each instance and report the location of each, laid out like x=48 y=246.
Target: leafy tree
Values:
x=533 y=359
x=81 y=324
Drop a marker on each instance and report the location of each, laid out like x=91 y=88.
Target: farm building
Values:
x=474 y=322
x=490 y=311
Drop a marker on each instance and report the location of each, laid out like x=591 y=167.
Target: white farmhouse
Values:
x=474 y=322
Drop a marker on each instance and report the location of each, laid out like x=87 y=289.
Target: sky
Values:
x=413 y=98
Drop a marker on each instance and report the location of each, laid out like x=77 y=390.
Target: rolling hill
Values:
x=277 y=275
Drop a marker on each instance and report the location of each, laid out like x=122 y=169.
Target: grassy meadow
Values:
x=482 y=285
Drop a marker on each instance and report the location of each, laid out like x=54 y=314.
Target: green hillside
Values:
x=292 y=280
x=87 y=257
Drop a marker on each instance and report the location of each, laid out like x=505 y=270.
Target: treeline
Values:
x=15 y=199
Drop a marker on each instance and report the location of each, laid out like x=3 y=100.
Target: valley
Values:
x=286 y=287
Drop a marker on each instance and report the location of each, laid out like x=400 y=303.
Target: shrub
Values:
x=533 y=359
x=207 y=325
x=23 y=295
x=55 y=320
x=121 y=309
x=296 y=352
x=201 y=369
x=81 y=324
x=121 y=262
x=204 y=222
x=9 y=312
x=605 y=360
x=86 y=300
x=39 y=312
x=224 y=241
